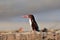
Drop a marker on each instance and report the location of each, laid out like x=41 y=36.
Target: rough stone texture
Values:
x=30 y=36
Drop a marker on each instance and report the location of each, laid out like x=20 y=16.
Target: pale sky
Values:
x=12 y=10
x=18 y=7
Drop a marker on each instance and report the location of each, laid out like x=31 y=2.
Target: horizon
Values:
x=46 y=11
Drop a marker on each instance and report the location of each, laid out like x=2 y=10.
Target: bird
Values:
x=45 y=30
x=32 y=22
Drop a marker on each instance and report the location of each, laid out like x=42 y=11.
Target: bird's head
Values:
x=28 y=16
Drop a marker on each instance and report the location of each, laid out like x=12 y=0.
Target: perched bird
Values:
x=32 y=22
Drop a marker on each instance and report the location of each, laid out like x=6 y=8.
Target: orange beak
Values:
x=25 y=16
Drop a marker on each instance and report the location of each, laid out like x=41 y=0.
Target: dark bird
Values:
x=45 y=30
x=32 y=22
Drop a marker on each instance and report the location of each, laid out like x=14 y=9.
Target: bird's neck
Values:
x=30 y=21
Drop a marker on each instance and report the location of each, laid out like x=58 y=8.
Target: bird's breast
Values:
x=30 y=22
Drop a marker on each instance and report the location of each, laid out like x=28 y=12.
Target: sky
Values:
x=12 y=10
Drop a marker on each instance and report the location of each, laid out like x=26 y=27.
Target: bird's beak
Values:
x=25 y=16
